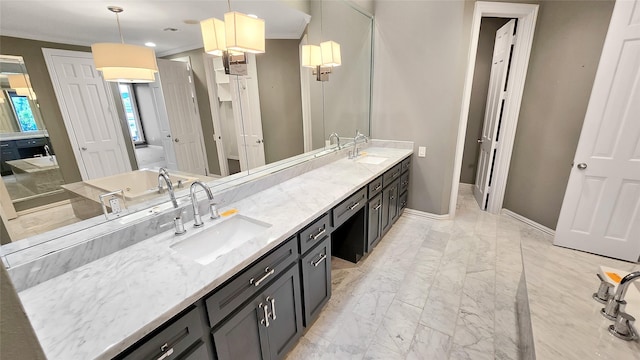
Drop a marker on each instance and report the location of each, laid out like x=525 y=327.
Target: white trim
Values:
x=529 y=222
x=426 y=215
x=305 y=94
x=526 y=15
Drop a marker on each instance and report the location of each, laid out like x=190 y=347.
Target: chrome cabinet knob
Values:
x=582 y=166
x=176 y=140
x=84 y=148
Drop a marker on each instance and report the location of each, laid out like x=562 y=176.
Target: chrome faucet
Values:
x=616 y=303
x=194 y=203
x=47 y=151
x=335 y=135
x=358 y=136
x=163 y=172
x=177 y=220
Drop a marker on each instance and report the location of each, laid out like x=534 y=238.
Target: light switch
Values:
x=422 y=151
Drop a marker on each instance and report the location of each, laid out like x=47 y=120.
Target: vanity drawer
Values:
x=404 y=182
x=173 y=339
x=406 y=164
x=391 y=175
x=350 y=206
x=402 y=203
x=375 y=187
x=315 y=233
x=250 y=281
x=31 y=142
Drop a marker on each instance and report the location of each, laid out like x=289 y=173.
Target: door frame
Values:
x=48 y=54
x=214 y=106
x=527 y=15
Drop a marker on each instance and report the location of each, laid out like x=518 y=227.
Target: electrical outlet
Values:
x=422 y=151
x=114 y=203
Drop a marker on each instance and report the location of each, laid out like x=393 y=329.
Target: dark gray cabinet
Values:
x=316 y=280
x=389 y=206
x=374 y=231
x=268 y=326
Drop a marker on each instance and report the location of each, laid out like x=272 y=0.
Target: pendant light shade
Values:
x=120 y=62
x=330 y=51
x=311 y=56
x=124 y=62
x=22 y=85
x=213 y=36
x=244 y=33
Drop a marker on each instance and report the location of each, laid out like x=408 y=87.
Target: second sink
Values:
x=219 y=239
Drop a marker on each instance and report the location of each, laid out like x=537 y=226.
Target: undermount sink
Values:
x=370 y=159
x=219 y=239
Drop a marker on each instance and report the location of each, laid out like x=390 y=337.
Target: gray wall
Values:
x=420 y=58
x=481 y=75
x=204 y=108
x=564 y=59
x=17 y=339
x=31 y=52
x=280 y=102
x=420 y=55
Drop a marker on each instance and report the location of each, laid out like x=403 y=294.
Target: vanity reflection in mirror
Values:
x=194 y=119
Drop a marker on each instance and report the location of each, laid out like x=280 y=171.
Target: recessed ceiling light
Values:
x=252 y=16
x=150 y=44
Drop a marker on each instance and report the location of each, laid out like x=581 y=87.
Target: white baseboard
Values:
x=529 y=222
x=425 y=215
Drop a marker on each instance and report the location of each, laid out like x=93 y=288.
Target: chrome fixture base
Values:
x=596 y=298
x=115 y=9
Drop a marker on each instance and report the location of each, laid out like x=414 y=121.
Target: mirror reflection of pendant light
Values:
x=22 y=85
x=120 y=62
x=321 y=58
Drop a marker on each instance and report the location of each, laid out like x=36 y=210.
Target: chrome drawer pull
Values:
x=377 y=207
x=268 y=272
x=395 y=174
x=273 y=307
x=265 y=320
x=167 y=353
x=377 y=187
x=321 y=231
x=354 y=205
x=317 y=262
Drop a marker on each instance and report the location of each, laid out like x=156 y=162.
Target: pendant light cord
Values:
x=229 y=4
x=119 y=29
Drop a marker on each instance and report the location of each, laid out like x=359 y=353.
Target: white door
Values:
x=89 y=113
x=246 y=110
x=184 y=119
x=163 y=124
x=601 y=208
x=212 y=63
x=493 y=112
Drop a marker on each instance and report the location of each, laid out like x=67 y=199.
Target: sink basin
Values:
x=219 y=239
x=369 y=159
x=138 y=183
x=42 y=161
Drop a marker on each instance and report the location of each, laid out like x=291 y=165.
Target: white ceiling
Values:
x=84 y=22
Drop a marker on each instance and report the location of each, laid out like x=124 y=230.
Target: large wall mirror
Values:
x=88 y=137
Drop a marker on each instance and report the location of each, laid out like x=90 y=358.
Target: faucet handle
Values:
x=604 y=290
x=213 y=210
x=623 y=327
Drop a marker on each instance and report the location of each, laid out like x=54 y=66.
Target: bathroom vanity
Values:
x=253 y=301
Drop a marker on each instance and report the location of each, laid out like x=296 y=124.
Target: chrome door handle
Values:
x=480 y=141
x=317 y=262
x=84 y=148
x=176 y=140
x=265 y=320
x=582 y=166
x=273 y=307
x=377 y=207
x=169 y=135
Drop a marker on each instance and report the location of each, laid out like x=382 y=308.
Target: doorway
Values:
x=526 y=15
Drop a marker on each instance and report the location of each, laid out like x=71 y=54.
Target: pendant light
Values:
x=120 y=62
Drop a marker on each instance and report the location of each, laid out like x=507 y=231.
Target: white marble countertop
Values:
x=565 y=320
x=103 y=307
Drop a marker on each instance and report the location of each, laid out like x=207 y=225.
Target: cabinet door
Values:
x=375 y=219
x=243 y=336
x=316 y=280
x=285 y=313
x=393 y=201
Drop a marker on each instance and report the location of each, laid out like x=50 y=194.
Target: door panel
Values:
x=285 y=328
x=242 y=336
x=184 y=119
x=601 y=208
x=493 y=112
x=86 y=104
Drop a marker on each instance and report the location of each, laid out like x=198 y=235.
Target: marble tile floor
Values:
x=431 y=289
